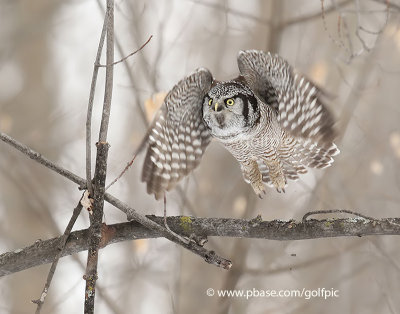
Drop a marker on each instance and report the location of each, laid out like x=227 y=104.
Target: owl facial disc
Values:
x=229 y=107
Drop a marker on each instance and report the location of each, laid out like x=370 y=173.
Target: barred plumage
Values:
x=178 y=135
x=270 y=118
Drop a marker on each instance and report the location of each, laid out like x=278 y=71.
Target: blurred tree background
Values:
x=47 y=50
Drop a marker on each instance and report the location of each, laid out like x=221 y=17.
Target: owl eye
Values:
x=210 y=102
x=230 y=102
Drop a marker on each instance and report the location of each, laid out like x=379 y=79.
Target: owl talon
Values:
x=259 y=190
x=280 y=190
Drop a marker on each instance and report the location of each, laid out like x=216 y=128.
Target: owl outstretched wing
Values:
x=297 y=101
x=178 y=136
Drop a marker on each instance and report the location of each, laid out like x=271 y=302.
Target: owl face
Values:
x=229 y=108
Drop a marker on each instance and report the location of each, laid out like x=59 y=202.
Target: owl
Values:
x=270 y=118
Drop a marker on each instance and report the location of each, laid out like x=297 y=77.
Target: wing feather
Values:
x=178 y=136
x=296 y=99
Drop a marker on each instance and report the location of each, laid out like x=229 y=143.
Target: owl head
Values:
x=229 y=108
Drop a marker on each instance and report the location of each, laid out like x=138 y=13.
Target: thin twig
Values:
x=141 y=146
x=334 y=211
x=361 y=28
x=127 y=68
x=90 y=110
x=109 y=73
x=42 y=160
x=61 y=246
x=311 y=16
x=339 y=43
x=130 y=55
x=187 y=241
x=227 y=10
x=389 y=4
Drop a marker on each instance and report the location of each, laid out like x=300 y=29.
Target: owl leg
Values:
x=276 y=174
x=252 y=175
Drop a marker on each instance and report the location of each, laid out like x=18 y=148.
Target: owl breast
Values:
x=260 y=141
x=241 y=121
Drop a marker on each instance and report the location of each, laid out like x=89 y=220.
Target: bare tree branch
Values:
x=129 y=211
x=311 y=16
x=90 y=110
x=127 y=68
x=42 y=160
x=335 y=211
x=130 y=55
x=193 y=246
x=390 y=4
x=227 y=10
x=139 y=149
x=42 y=252
x=100 y=173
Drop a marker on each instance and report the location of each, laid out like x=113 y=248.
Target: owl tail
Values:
x=314 y=155
x=293 y=159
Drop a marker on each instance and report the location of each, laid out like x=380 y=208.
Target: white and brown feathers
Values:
x=178 y=135
x=308 y=133
x=300 y=109
x=298 y=127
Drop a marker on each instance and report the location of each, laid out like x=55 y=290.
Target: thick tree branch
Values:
x=42 y=252
x=194 y=246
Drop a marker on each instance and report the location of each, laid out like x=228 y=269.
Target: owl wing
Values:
x=296 y=100
x=178 y=136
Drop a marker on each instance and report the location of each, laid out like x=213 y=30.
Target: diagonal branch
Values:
x=63 y=241
x=42 y=160
x=131 y=213
x=129 y=55
x=209 y=256
x=42 y=252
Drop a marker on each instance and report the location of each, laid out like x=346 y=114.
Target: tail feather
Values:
x=295 y=156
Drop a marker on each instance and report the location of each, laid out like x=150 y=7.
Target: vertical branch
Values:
x=90 y=109
x=100 y=170
x=109 y=72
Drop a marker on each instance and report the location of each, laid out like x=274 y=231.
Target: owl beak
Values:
x=217 y=107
